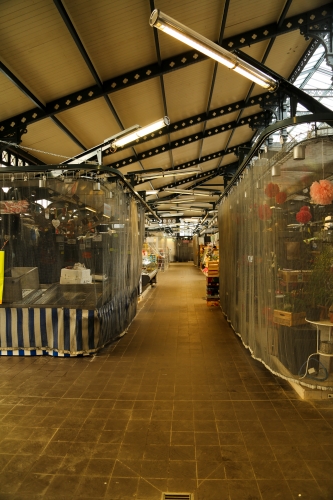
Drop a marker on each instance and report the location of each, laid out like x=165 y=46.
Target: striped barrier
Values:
x=63 y=331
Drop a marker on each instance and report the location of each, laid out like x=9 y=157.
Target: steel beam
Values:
x=288 y=88
x=227 y=170
x=225 y=127
x=13 y=125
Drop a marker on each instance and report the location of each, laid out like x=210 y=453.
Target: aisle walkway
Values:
x=176 y=405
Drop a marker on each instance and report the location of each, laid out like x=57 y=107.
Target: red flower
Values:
x=303 y=216
x=322 y=192
x=272 y=190
x=280 y=197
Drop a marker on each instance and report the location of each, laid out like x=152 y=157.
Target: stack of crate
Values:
x=213 y=284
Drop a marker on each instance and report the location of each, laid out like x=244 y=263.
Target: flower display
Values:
x=272 y=190
x=280 y=197
x=264 y=212
x=322 y=192
x=14 y=207
x=304 y=215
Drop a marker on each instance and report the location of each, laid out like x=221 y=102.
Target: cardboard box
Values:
x=75 y=276
x=288 y=318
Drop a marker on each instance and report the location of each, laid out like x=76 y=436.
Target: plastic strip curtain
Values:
x=72 y=263
x=268 y=256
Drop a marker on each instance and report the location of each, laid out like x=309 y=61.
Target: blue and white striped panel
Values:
x=59 y=332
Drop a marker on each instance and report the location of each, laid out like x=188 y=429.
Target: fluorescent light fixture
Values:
x=152 y=191
x=117 y=140
x=180 y=191
x=141 y=132
x=189 y=192
x=182 y=200
x=193 y=209
x=198 y=42
x=174 y=214
x=167 y=173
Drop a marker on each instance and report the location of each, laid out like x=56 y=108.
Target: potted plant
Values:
x=293 y=309
x=319 y=288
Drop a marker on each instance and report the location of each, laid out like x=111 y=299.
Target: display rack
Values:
x=212 y=284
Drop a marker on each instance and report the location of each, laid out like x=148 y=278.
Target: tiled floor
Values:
x=176 y=405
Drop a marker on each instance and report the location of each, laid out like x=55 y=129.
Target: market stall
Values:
x=72 y=261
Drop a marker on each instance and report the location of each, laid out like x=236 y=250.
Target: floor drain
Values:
x=177 y=496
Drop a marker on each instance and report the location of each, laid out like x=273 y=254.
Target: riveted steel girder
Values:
x=154 y=70
x=249 y=120
x=227 y=170
x=197 y=176
x=303 y=21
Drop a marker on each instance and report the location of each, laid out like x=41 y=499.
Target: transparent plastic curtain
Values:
x=160 y=246
x=196 y=250
x=71 y=243
x=273 y=236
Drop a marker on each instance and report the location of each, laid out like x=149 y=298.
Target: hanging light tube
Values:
x=198 y=42
x=141 y=132
x=167 y=173
x=179 y=191
x=191 y=192
x=131 y=134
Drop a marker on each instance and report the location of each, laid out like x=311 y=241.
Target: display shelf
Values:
x=212 y=290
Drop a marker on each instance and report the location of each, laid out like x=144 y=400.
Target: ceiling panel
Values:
x=298 y=6
x=229 y=87
x=91 y=123
x=140 y=104
x=49 y=143
x=13 y=100
x=188 y=89
x=243 y=16
x=286 y=53
x=117 y=35
x=36 y=44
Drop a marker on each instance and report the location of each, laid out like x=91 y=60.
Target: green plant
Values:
x=294 y=301
x=319 y=289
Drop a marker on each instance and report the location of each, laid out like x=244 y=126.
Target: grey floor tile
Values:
x=168 y=408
